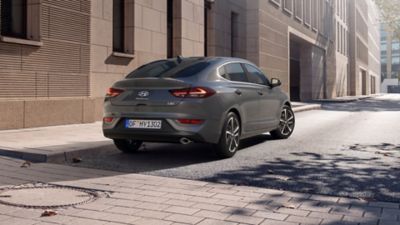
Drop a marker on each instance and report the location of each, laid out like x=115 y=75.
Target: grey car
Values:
x=214 y=100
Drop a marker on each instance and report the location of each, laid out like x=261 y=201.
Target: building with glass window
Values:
x=390 y=61
x=57 y=58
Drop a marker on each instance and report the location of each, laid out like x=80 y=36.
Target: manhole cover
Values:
x=45 y=196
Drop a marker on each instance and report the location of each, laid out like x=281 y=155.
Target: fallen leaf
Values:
x=288 y=206
x=49 y=213
x=382 y=153
x=26 y=164
x=270 y=172
x=366 y=199
x=77 y=160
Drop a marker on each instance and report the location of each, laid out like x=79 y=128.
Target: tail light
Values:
x=108 y=119
x=113 y=92
x=195 y=92
x=190 y=121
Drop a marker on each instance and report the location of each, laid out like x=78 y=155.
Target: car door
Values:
x=246 y=94
x=269 y=101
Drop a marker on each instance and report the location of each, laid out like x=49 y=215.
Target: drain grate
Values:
x=46 y=196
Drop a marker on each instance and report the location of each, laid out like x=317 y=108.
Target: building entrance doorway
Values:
x=295 y=80
x=364 y=82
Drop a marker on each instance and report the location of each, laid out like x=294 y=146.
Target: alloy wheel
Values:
x=286 y=124
x=232 y=134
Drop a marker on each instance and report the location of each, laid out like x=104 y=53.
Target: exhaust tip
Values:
x=185 y=141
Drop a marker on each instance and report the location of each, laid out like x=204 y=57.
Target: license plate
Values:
x=143 y=124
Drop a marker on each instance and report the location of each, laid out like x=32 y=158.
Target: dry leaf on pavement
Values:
x=77 y=160
x=26 y=164
x=49 y=213
x=289 y=206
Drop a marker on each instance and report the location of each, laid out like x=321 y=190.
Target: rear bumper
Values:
x=170 y=132
x=153 y=137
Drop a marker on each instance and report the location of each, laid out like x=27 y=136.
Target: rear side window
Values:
x=170 y=69
x=255 y=75
x=235 y=72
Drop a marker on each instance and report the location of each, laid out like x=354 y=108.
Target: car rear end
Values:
x=173 y=107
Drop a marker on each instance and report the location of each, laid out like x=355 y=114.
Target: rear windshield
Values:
x=169 y=68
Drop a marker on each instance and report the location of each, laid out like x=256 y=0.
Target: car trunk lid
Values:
x=148 y=92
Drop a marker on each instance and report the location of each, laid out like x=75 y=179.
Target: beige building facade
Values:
x=59 y=58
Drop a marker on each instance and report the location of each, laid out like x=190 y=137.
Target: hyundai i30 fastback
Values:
x=212 y=100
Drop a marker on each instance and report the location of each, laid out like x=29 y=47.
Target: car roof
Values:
x=213 y=59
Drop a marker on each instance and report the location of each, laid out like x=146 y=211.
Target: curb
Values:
x=338 y=100
x=58 y=157
x=306 y=108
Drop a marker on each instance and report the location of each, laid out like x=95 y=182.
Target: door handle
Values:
x=260 y=93
x=238 y=92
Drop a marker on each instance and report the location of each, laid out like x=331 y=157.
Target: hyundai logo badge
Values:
x=143 y=94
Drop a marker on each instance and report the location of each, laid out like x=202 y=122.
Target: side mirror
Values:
x=275 y=82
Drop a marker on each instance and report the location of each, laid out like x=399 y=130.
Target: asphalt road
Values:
x=346 y=149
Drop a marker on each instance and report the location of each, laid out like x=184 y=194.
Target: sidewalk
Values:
x=345 y=99
x=63 y=143
x=149 y=200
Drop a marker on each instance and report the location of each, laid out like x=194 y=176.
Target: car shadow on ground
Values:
x=369 y=178
x=158 y=156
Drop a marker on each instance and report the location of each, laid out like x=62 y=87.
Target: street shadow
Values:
x=369 y=105
x=369 y=177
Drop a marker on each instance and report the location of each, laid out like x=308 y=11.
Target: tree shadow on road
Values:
x=334 y=174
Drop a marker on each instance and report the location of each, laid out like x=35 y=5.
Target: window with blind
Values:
x=298 y=10
x=307 y=12
x=314 y=16
x=288 y=6
x=118 y=25
x=14 y=18
x=123 y=26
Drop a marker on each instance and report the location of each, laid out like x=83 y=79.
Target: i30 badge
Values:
x=143 y=94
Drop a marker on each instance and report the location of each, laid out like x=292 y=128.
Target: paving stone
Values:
x=296 y=212
x=18 y=221
x=238 y=211
x=211 y=214
x=148 y=221
x=184 y=219
x=324 y=198
x=385 y=205
x=181 y=210
x=151 y=206
x=245 y=219
x=323 y=215
x=271 y=215
x=364 y=220
x=177 y=196
x=152 y=214
x=304 y=220
x=389 y=222
x=123 y=210
x=274 y=222
x=180 y=203
x=206 y=206
x=215 y=222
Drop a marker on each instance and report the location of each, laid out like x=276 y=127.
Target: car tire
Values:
x=286 y=124
x=127 y=145
x=230 y=137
